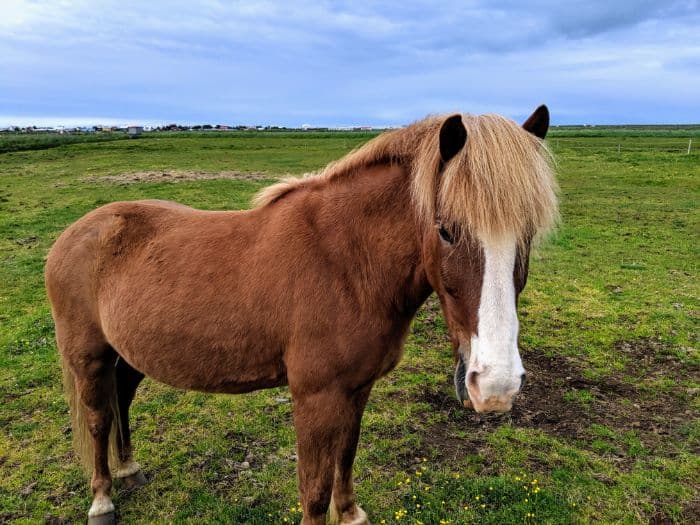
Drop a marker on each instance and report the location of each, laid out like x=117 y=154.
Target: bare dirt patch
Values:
x=546 y=404
x=177 y=176
x=616 y=404
x=651 y=358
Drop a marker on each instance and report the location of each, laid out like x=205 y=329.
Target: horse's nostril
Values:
x=522 y=381
x=471 y=378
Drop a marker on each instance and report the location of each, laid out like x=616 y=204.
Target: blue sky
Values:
x=347 y=63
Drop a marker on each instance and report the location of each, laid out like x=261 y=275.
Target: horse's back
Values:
x=175 y=291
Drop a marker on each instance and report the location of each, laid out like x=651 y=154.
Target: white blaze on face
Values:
x=495 y=370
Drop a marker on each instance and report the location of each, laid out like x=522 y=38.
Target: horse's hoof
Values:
x=103 y=519
x=358 y=517
x=133 y=481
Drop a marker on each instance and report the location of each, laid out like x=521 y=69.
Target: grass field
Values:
x=606 y=430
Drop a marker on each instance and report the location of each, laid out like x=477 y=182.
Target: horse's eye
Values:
x=446 y=235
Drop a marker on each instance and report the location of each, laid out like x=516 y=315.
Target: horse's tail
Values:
x=82 y=438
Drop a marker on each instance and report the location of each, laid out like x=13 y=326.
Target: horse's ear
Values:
x=538 y=122
x=453 y=137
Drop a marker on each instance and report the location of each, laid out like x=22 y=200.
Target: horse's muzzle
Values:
x=470 y=396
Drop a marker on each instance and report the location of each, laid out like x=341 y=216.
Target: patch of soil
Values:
x=55 y=520
x=651 y=358
x=691 y=511
x=176 y=176
x=8 y=517
x=618 y=405
x=244 y=455
x=28 y=241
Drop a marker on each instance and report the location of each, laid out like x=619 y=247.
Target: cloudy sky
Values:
x=347 y=62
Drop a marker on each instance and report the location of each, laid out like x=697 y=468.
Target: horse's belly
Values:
x=203 y=352
x=204 y=368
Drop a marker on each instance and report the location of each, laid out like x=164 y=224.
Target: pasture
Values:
x=606 y=429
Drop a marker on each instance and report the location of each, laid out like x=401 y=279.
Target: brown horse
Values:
x=313 y=288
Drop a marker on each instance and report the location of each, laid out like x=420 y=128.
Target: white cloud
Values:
x=264 y=61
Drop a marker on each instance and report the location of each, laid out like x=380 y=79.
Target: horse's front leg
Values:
x=327 y=425
x=344 y=509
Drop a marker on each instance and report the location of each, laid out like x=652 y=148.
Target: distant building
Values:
x=134 y=131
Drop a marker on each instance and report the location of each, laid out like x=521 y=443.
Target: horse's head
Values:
x=477 y=260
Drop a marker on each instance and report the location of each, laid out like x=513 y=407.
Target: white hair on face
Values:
x=494 y=348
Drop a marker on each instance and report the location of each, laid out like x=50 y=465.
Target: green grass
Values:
x=608 y=424
x=10 y=141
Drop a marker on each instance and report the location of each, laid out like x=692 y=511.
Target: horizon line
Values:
x=78 y=122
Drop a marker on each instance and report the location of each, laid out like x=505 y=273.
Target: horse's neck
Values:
x=372 y=231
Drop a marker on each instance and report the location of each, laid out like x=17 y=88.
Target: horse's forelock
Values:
x=501 y=184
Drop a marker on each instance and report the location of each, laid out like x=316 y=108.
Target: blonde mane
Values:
x=500 y=184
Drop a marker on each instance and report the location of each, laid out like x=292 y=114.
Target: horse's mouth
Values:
x=460 y=384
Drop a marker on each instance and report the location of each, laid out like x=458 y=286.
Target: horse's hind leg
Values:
x=128 y=380
x=91 y=365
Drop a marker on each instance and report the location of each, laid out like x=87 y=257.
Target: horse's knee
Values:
x=101 y=424
x=101 y=484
